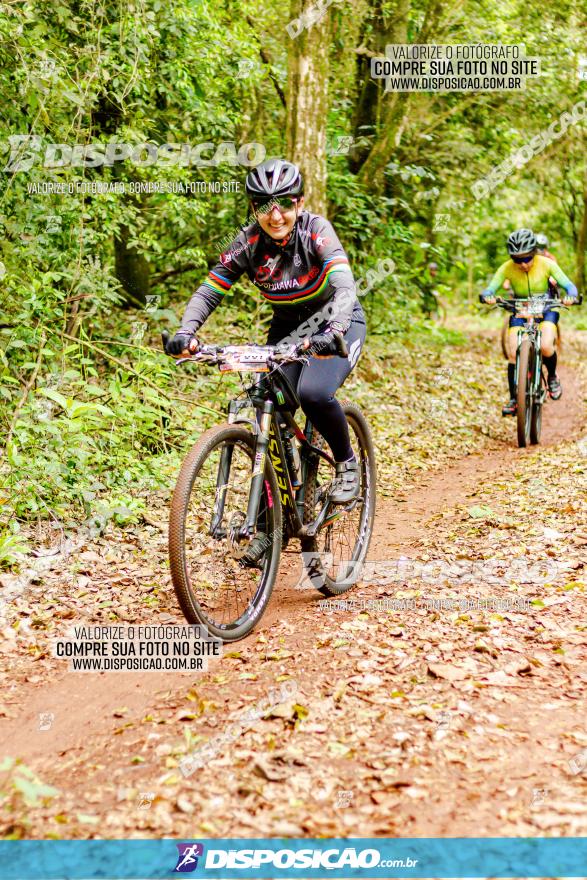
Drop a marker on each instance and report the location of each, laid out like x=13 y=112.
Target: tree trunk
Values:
x=132 y=269
x=389 y=111
x=379 y=113
x=307 y=100
x=582 y=241
x=382 y=27
x=470 y=281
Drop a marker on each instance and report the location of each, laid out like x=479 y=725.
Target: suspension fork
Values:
x=264 y=417
x=221 y=488
x=521 y=334
x=224 y=466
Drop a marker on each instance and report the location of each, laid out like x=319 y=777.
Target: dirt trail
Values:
x=463 y=797
x=399 y=522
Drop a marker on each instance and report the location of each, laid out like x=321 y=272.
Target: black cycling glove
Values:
x=180 y=342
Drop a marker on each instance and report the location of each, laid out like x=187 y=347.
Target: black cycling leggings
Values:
x=318 y=382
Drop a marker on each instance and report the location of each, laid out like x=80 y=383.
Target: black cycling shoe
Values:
x=555 y=389
x=347 y=483
x=511 y=408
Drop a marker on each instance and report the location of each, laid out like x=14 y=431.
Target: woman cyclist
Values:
x=297 y=262
x=528 y=274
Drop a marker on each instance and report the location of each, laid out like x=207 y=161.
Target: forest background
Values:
x=94 y=416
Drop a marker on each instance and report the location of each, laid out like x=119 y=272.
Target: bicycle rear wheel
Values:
x=524 y=394
x=217 y=584
x=334 y=557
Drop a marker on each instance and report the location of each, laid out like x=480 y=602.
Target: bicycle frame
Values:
x=269 y=441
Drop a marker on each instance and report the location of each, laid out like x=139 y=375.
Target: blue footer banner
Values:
x=341 y=857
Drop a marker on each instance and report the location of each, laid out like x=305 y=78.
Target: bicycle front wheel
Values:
x=536 y=423
x=221 y=582
x=335 y=556
x=525 y=380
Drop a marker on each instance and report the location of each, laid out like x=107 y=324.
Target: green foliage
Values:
x=11 y=546
x=95 y=417
x=86 y=440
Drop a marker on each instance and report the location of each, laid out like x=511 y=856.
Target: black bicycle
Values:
x=531 y=382
x=250 y=485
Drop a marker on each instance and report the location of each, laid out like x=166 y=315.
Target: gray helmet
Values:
x=274 y=177
x=541 y=240
x=522 y=241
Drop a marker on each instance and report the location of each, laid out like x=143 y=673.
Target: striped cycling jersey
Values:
x=531 y=283
x=296 y=278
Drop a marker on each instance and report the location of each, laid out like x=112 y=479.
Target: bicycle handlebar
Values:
x=216 y=355
x=510 y=304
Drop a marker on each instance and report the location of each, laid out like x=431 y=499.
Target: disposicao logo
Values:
x=187 y=860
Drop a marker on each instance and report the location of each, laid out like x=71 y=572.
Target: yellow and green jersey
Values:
x=531 y=283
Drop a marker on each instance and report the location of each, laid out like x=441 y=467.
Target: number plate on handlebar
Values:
x=530 y=308
x=245 y=358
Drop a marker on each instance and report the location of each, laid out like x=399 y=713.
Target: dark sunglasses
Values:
x=526 y=259
x=282 y=203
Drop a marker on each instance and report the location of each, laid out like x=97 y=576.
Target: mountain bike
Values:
x=531 y=383
x=252 y=484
